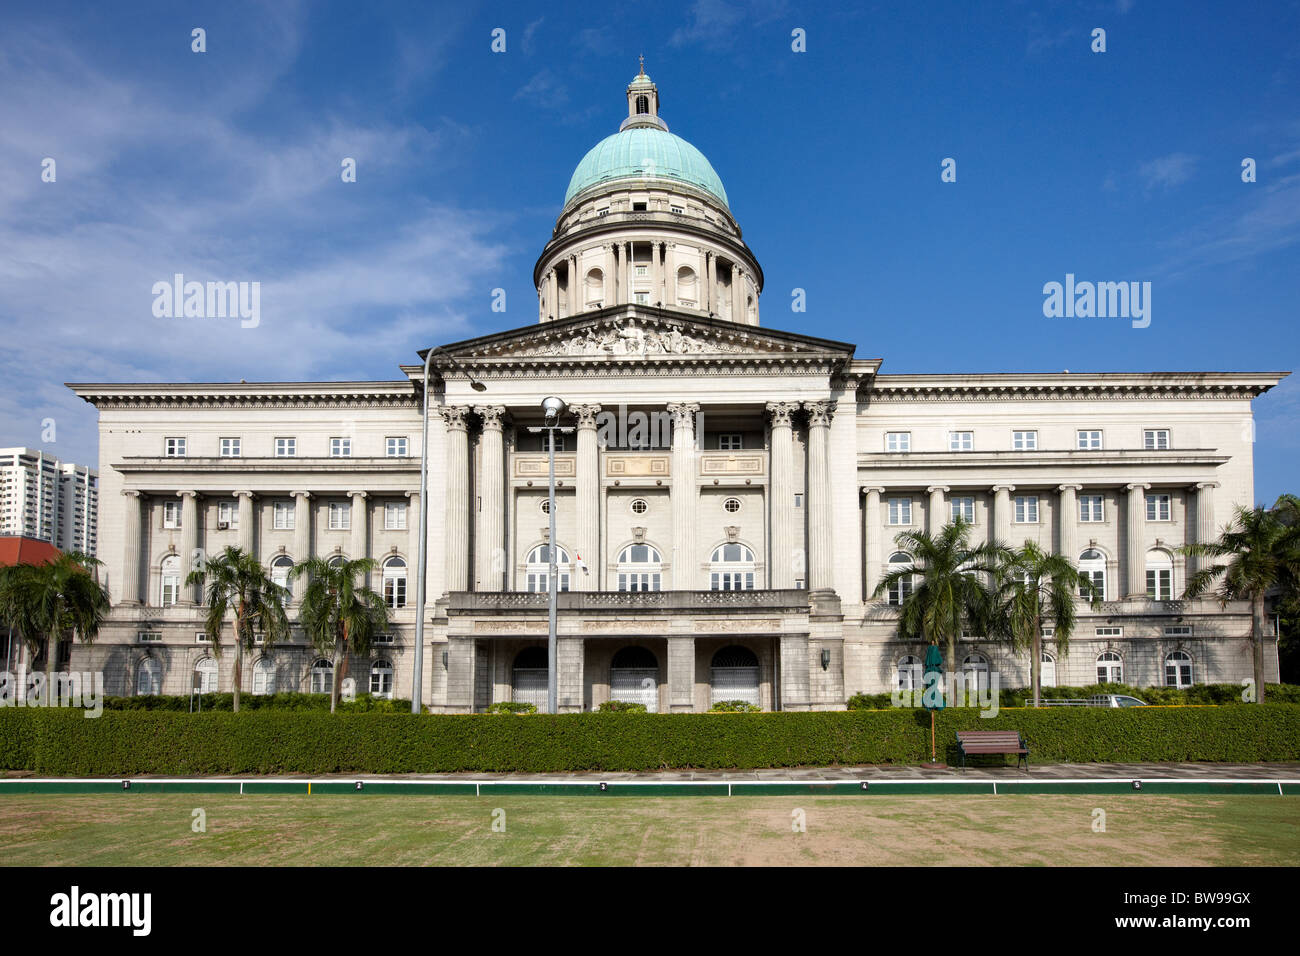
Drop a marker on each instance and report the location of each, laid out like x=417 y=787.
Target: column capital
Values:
x=493 y=416
x=1002 y=486
x=411 y=494
x=1069 y=487
x=244 y=493
x=586 y=415
x=454 y=416
x=781 y=413
x=187 y=493
x=131 y=492
x=820 y=413
x=1137 y=486
x=358 y=494
x=683 y=413
x=933 y=488
x=1206 y=484
x=870 y=489
x=300 y=494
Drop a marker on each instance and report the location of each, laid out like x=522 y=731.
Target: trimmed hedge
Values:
x=1196 y=694
x=363 y=703
x=64 y=742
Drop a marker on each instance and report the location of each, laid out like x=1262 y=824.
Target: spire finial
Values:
x=641 y=58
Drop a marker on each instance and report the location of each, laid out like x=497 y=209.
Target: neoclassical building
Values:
x=728 y=494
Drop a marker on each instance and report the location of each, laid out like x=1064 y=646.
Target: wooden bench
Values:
x=971 y=742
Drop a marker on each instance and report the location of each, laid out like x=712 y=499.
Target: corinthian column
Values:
x=1137 y=514
x=189 y=542
x=656 y=275
x=821 y=552
x=130 y=586
x=781 y=571
x=586 y=491
x=737 y=294
x=684 y=496
x=491 y=555
x=1068 y=521
x=610 y=283
x=457 y=524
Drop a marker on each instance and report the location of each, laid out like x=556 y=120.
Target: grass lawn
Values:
x=155 y=830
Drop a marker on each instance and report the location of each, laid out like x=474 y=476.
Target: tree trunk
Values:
x=51 y=653
x=1036 y=662
x=237 y=681
x=1257 y=642
x=340 y=662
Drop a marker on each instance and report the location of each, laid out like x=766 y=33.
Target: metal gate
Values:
x=530 y=687
x=734 y=683
x=635 y=685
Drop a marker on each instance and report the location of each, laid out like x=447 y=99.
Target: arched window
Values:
x=322 y=676
x=975 y=669
x=264 y=676
x=640 y=568
x=1047 y=671
x=687 y=294
x=280 y=568
x=538 y=569
x=1092 y=565
x=642 y=104
x=170 y=591
x=1178 y=669
x=909 y=673
x=731 y=568
x=1110 y=668
x=734 y=675
x=595 y=288
x=206 y=668
x=634 y=677
x=148 y=678
x=381 y=679
x=900 y=590
x=528 y=685
x=395 y=582
x=1160 y=575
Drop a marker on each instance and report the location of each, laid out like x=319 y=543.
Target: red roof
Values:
x=19 y=550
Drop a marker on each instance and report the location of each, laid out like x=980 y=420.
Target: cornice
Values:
x=1067 y=386
x=398 y=394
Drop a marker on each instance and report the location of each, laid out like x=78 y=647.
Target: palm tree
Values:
x=1262 y=548
x=1035 y=587
x=45 y=601
x=340 y=615
x=236 y=581
x=948 y=585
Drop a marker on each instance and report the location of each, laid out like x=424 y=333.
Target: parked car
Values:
x=1115 y=700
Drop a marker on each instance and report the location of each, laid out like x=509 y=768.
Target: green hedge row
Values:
x=1197 y=694
x=363 y=703
x=63 y=742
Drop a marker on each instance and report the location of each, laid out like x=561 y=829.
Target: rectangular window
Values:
x=150 y=637
x=395 y=516
x=898 y=441
x=230 y=448
x=963 y=508
x=1178 y=630
x=1088 y=440
x=340 y=447
x=1160 y=584
x=1090 y=508
x=1027 y=509
x=227 y=515
x=171 y=514
x=677 y=209
x=1158 y=508
x=174 y=447
x=286 y=447
x=731 y=441
x=1110 y=632
x=798 y=500
x=642 y=271
x=546 y=441
x=1154 y=439
x=395 y=447
x=900 y=510
x=1024 y=441
x=201 y=637
x=961 y=441
x=642 y=298
x=283 y=516
x=340 y=515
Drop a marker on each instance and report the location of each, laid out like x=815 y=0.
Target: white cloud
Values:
x=1165 y=172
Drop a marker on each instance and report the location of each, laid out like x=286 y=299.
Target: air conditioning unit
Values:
x=223 y=525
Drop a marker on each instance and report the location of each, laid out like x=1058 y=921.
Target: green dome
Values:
x=637 y=152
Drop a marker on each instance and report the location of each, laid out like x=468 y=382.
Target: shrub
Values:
x=621 y=707
x=510 y=707
x=364 y=703
x=734 y=707
x=869 y=702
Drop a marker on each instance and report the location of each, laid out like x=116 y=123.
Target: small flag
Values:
x=581 y=563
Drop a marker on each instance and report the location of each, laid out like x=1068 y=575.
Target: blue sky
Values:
x=1123 y=165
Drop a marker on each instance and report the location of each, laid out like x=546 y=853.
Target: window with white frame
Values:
x=230 y=447
x=227 y=515
x=395 y=582
x=280 y=568
x=395 y=447
x=900 y=510
x=206 y=668
x=1092 y=566
x=901 y=589
x=1026 y=509
x=798 y=500
x=1158 y=508
x=731 y=441
x=148 y=678
x=1155 y=439
x=340 y=515
x=642 y=298
x=1110 y=668
x=975 y=669
x=963 y=508
x=1024 y=441
x=1160 y=575
x=174 y=447
x=286 y=447
x=149 y=637
x=640 y=568
x=395 y=515
x=170 y=580
x=1178 y=630
x=1088 y=439
x=1178 y=669
x=282 y=516
x=381 y=679
x=961 y=441
x=340 y=447
x=322 y=676
x=908 y=673
x=731 y=505
x=537 y=569
x=1047 y=670
x=1110 y=632
x=731 y=568
x=263 y=677
x=1091 y=509
x=639 y=506
x=201 y=637
x=171 y=515
x=546 y=441
x=898 y=441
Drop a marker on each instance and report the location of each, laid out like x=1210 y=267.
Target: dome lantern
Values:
x=642 y=103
